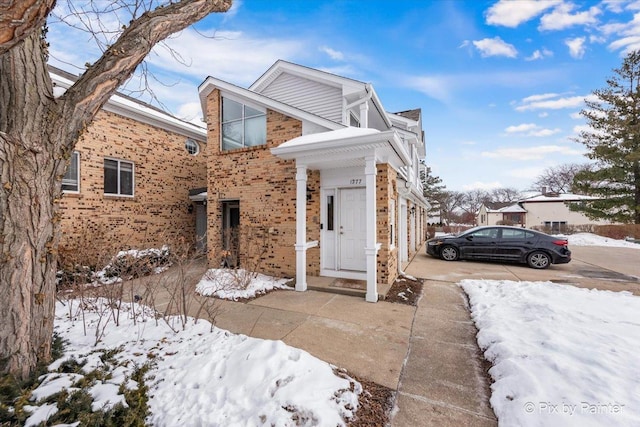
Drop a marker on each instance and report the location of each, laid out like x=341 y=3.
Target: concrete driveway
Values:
x=445 y=380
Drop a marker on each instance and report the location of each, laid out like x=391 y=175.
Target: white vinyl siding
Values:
x=317 y=98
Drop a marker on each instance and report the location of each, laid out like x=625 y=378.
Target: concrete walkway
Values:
x=444 y=382
x=369 y=340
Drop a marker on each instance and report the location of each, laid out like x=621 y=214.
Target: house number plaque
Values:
x=355 y=181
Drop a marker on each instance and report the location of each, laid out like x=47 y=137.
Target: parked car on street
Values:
x=502 y=243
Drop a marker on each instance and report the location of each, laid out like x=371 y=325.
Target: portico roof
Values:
x=345 y=148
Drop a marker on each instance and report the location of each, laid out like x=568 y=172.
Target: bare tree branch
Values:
x=118 y=63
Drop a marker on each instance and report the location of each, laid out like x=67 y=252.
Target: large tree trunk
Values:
x=37 y=136
x=30 y=183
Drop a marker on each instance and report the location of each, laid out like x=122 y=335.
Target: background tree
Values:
x=449 y=202
x=504 y=195
x=37 y=136
x=432 y=189
x=559 y=179
x=471 y=202
x=613 y=140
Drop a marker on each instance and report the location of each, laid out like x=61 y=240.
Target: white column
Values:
x=301 y=228
x=371 y=250
x=364 y=114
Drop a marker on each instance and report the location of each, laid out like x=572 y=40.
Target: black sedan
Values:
x=502 y=243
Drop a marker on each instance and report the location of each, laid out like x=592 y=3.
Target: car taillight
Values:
x=560 y=242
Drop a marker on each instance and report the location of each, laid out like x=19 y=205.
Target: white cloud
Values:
x=495 y=47
x=525 y=127
x=530 y=129
x=576 y=47
x=614 y=6
x=541 y=97
x=530 y=153
x=333 y=54
x=225 y=56
x=539 y=54
x=436 y=87
x=627 y=44
x=576 y=115
x=479 y=185
x=543 y=114
x=547 y=103
x=510 y=13
x=563 y=17
x=543 y=132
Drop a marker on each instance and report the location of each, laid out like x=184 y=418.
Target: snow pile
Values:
x=237 y=284
x=561 y=355
x=202 y=375
x=589 y=239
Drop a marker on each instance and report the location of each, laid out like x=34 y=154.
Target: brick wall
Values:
x=388 y=253
x=164 y=173
x=265 y=187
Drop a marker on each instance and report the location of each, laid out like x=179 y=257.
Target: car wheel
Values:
x=538 y=260
x=449 y=253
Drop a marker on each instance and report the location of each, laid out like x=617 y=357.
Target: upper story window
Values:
x=192 y=147
x=71 y=179
x=353 y=121
x=242 y=126
x=118 y=177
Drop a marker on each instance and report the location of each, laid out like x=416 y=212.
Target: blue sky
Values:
x=500 y=83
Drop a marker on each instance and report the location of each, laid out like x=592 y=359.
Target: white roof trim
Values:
x=134 y=110
x=341 y=141
x=211 y=83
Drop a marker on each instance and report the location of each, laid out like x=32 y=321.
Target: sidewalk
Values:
x=444 y=381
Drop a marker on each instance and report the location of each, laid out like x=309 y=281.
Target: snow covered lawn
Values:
x=589 y=239
x=561 y=355
x=200 y=375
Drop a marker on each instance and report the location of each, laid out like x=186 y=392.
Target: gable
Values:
x=315 y=97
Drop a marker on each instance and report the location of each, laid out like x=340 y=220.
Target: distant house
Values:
x=549 y=210
x=314 y=161
x=501 y=213
x=130 y=174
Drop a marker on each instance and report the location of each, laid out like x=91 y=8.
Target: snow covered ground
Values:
x=589 y=239
x=235 y=284
x=199 y=376
x=561 y=355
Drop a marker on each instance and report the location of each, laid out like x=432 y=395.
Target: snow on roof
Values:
x=512 y=208
x=345 y=133
x=554 y=197
x=137 y=110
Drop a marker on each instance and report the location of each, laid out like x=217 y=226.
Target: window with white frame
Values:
x=242 y=126
x=118 y=177
x=192 y=147
x=71 y=179
x=353 y=121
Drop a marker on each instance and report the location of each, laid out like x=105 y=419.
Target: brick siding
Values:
x=163 y=174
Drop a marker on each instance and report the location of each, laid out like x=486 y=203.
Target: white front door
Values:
x=352 y=229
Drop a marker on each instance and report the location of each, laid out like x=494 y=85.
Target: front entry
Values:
x=352 y=229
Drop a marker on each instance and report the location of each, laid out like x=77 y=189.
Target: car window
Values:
x=491 y=233
x=508 y=233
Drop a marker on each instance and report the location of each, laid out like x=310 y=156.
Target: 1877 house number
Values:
x=355 y=181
